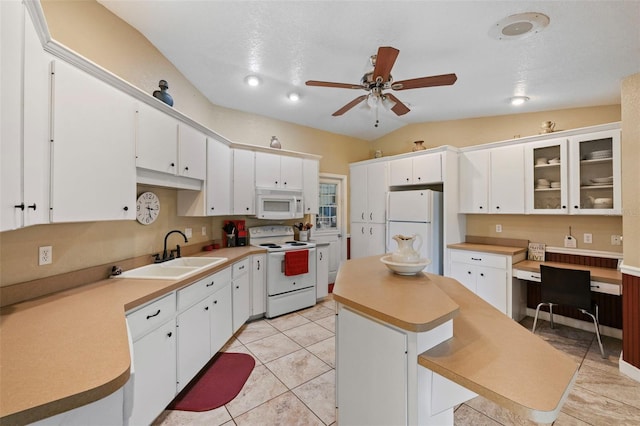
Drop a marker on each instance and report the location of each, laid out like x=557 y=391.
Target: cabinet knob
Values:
x=169 y=334
x=237 y=287
x=480 y=207
x=575 y=207
x=206 y=308
x=407 y=179
x=215 y=302
x=564 y=207
x=497 y=207
x=419 y=178
x=247 y=208
x=469 y=272
x=19 y=206
x=186 y=168
x=173 y=164
x=481 y=274
x=213 y=208
x=125 y=208
x=276 y=182
x=285 y=183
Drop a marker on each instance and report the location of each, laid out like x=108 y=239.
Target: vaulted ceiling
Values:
x=577 y=60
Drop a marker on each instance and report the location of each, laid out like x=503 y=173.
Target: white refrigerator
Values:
x=417 y=212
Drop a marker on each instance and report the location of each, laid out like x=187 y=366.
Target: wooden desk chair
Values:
x=567 y=287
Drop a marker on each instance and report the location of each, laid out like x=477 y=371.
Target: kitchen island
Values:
x=410 y=348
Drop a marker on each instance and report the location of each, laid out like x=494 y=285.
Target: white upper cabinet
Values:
x=310 y=170
x=93 y=175
x=278 y=171
x=547 y=177
x=474 y=181
x=24 y=139
x=506 y=183
x=157 y=139
x=595 y=175
x=368 y=188
x=421 y=169
x=192 y=152
x=243 y=182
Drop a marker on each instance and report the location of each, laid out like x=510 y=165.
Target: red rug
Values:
x=217 y=385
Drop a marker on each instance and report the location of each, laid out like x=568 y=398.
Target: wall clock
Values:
x=147 y=208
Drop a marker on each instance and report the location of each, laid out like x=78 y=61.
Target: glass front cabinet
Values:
x=575 y=175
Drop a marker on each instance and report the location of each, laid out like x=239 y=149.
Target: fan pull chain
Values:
x=377 y=121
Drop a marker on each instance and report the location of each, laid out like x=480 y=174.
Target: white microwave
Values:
x=279 y=204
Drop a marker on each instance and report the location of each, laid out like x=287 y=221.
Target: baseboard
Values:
x=629 y=370
x=576 y=323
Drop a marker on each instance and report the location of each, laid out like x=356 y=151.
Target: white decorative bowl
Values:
x=405 y=268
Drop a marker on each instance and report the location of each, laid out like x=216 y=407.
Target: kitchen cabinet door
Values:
x=24 y=138
x=258 y=284
x=267 y=170
x=194 y=347
x=376 y=192
x=310 y=170
x=241 y=293
x=291 y=176
x=157 y=140
x=358 y=192
x=506 y=184
x=595 y=180
x=491 y=285
x=546 y=177
x=243 y=182
x=401 y=172
x=474 y=181
x=322 y=272
x=218 y=184
x=192 y=153
x=93 y=174
x=155 y=373
x=220 y=318
x=464 y=274
x=367 y=239
x=427 y=168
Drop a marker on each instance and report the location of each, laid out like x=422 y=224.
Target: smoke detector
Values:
x=519 y=26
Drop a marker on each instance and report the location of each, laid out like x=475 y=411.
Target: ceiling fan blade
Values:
x=330 y=84
x=399 y=108
x=350 y=105
x=416 y=83
x=384 y=62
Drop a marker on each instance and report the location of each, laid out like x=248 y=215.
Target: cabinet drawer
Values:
x=480 y=259
x=152 y=315
x=240 y=268
x=201 y=288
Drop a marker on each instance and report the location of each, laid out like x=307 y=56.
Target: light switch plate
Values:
x=498 y=228
x=587 y=238
x=188 y=232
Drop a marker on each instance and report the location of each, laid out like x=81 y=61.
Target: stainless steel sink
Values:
x=175 y=269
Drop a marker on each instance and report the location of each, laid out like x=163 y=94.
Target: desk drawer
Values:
x=607 y=288
x=478 y=258
x=152 y=315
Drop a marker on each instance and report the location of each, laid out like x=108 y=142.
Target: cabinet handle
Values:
x=285 y=183
x=476 y=258
x=480 y=207
x=294 y=283
x=469 y=272
x=371 y=216
x=370 y=231
x=125 y=208
x=33 y=206
x=173 y=164
x=320 y=255
x=213 y=208
x=575 y=207
x=237 y=287
x=497 y=207
x=276 y=182
x=206 y=308
x=169 y=334
x=419 y=178
x=407 y=179
x=154 y=315
x=362 y=230
x=481 y=274
x=187 y=168
x=258 y=265
x=361 y=214
x=215 y=302
x=564 y=207
x=19 y=206
x=211 y=283
x=247 y=209
x=241 y=267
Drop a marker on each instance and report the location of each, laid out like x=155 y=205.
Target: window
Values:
x=328 y=209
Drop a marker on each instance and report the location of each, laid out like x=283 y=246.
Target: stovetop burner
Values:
x=295 y=243
x=270 y=245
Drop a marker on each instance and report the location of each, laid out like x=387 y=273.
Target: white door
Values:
x=332 y=219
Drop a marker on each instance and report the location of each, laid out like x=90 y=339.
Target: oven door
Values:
x=278 y=282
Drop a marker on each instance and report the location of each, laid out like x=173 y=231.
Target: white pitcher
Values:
x=406 y=253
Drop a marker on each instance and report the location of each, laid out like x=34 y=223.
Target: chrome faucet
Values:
x=165 y=256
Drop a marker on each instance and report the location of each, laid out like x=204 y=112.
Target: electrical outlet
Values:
x=616 y=240
x=204 y=231
x=587 y=238
x=187 y=232
x=498 y=228
x=45 y=255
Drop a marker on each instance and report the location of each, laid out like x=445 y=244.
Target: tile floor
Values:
x=294 y=378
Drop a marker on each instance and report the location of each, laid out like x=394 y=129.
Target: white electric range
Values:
x=285 y=293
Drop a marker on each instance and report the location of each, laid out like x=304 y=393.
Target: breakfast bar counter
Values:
x=458 y=347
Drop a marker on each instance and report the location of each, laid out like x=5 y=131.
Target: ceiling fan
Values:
x=380 y=79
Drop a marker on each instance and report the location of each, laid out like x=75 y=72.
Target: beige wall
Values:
x=631 y=175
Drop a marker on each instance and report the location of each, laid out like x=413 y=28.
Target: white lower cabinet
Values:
x=241 y=293
x=194 y=347
x=322 y=271
x=220 y=318
x=258 y=284
x=367 y=239
x=153 y=331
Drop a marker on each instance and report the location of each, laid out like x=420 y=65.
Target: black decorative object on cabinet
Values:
x=162 y=94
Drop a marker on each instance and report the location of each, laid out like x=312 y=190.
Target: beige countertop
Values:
x=488 y=248
x=489 y=354
x=71 y=348
x=412 y=303
x=605 y=275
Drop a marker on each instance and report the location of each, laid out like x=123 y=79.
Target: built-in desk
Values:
x=603 y=280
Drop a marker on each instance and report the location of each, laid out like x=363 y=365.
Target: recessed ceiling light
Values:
x=518 y=100
x=293 y=97
x=252 y=80
x=518 y=26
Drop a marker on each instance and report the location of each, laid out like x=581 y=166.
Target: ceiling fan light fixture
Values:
x=294 y=96
x=519 y=26
x=388 y=103
x=518 y=100
x=253 y=80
